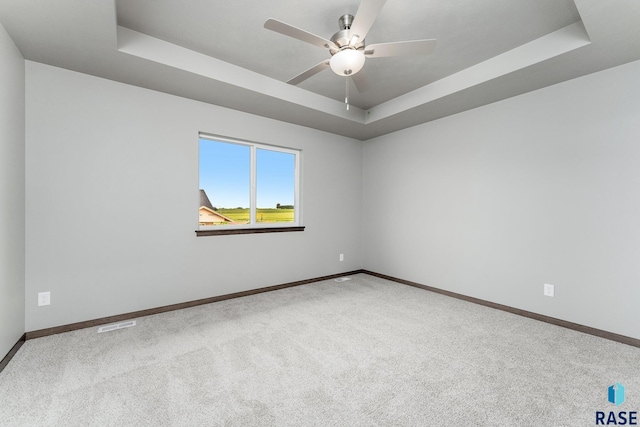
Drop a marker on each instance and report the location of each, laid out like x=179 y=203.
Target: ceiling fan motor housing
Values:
x=341 y=38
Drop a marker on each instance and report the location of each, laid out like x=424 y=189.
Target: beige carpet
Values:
x=366 y=352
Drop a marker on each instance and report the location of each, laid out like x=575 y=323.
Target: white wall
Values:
x=497 y=201
x=101 y=154
x=491 y=203
x=12 y=118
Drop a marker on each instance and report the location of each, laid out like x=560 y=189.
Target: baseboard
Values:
x=126 y=316
x=552 y=320
x=12 y=352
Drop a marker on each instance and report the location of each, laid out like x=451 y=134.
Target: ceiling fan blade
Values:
x=413 y=47
x=361 y=82
x=365 y=17
x=297 y=33
x=310 y=72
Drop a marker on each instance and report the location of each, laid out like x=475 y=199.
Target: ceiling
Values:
x=219 y=52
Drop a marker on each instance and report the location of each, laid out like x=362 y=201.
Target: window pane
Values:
x=275 y=186
x=225 y=177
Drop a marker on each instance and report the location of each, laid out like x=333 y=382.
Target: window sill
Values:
x=202 y=233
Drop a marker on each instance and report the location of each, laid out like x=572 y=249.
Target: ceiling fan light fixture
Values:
x=347 y=62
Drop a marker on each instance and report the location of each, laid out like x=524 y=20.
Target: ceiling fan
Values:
x=347 y=47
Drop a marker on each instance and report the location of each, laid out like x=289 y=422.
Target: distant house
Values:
x=208 y=215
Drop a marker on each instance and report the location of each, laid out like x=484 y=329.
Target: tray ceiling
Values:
x=219 y=52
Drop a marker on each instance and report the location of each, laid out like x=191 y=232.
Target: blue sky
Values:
x=225 y=175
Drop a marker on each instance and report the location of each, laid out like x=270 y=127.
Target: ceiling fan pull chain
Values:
x=346 y=97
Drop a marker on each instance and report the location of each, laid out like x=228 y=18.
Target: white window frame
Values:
x=254 y=146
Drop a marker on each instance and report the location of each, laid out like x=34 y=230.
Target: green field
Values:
x=262 y=215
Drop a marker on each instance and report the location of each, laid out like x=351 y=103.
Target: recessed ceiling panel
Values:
x=487 y=51
x=468 y=32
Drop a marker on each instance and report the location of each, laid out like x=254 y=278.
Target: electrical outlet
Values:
x=549 y=290
x=44 y=298
x=341 y=257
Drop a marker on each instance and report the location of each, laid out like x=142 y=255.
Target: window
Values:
x=247 y=187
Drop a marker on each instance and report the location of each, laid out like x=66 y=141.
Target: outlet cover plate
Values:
x=44 y=298
x=549 y=290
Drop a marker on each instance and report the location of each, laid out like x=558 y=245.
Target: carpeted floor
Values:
x=366 y=352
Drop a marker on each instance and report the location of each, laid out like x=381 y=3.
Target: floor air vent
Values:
x=122 y=325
